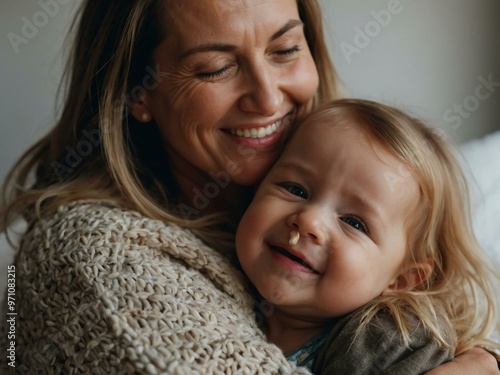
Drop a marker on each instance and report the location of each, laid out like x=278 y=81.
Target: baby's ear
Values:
x=412 y=276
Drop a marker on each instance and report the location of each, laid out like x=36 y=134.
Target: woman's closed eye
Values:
x=356 y=223
x=219 y=73
x=215 y=74
x=295 y=189
x=288 y=52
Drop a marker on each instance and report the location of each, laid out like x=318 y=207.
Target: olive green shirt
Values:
x=377 y=349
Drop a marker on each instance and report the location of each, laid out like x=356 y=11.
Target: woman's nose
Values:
x=261 y=93
x=310 y=224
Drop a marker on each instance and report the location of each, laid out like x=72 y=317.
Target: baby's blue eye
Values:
x=295 y=189
x=356 y=223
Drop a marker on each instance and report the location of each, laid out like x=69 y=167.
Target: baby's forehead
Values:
x=326 y=127
x=332 y=120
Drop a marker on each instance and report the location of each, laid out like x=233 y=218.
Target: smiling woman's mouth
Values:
x=260 y=132
x=292 y=257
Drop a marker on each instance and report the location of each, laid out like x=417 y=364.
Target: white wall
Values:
x=428 y=57
x=29 y=75
x=29 y=71
x=423 y=55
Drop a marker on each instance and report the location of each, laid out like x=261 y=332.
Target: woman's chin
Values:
x=252 y=172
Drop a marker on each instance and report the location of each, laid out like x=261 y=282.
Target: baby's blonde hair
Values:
x=460 y=287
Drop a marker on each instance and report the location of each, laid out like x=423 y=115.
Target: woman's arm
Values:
x=475 y=361
x=106 y=291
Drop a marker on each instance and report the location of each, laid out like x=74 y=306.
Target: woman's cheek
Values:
x=182 y=91
x=306 y=80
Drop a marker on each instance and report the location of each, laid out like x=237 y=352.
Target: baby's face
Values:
x=349 y=199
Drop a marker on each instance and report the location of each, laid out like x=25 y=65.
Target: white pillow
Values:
x=480 y=159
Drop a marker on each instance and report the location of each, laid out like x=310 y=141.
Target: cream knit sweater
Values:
x=102 y=290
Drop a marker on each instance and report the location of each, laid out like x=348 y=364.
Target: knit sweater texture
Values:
x=103 y=290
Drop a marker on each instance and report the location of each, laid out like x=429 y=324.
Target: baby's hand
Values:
x=475 y=361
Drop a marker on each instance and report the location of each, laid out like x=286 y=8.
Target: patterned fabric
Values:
x=102 y=290
x=307 y=353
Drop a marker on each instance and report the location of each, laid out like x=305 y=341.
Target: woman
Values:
x=174 y=111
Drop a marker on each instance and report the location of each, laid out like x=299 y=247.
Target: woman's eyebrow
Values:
x=208 y=47
x=287 y=26
x=221 y=47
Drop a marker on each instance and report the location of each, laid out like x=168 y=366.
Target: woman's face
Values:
x=232 y=75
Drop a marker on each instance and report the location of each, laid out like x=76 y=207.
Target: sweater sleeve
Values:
x=378 y=349
x=104 y=291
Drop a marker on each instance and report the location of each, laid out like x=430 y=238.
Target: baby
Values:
x=360 y=239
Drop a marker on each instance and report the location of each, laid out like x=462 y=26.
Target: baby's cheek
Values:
x=244 y=236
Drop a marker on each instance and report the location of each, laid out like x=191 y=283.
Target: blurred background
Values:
x=437 y=59
x=429 y=57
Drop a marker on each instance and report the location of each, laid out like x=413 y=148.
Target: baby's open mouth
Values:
x=289 y=255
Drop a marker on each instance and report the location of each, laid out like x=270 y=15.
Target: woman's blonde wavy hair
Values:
x=97 y=151
x=460 y=287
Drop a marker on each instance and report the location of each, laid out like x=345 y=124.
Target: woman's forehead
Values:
x=221 y=14
x=232 y=24
x=229 y=6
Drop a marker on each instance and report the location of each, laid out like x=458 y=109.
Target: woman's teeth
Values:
x=256 y=132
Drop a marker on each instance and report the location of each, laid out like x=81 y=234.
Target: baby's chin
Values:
x=276 y=295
